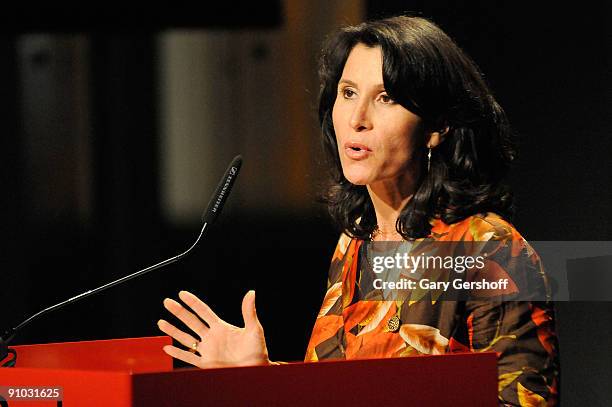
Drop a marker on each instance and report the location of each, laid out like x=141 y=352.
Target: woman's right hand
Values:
x=219 y=344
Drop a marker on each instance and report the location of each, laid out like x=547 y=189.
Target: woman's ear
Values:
x=434 y=138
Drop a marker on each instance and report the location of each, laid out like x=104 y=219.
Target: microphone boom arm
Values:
x=213 y=210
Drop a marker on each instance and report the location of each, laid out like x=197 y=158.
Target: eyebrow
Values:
x=351 y=83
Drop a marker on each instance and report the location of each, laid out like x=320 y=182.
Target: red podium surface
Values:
x=136 y=372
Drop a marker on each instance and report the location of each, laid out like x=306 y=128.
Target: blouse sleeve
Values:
x=520 y=328
x=327 y=338
x=522 y=334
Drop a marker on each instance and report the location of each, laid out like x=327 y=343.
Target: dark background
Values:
x=547 y=64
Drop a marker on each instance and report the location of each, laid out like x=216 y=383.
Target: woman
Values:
x=418 y=150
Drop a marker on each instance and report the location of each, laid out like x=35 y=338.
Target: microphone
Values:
x=215 y=205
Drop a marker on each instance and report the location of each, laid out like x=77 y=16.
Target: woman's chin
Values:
x=356 y=179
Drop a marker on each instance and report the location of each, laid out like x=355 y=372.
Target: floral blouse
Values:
x=522 y=332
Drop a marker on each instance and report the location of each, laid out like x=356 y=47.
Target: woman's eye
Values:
x=348 y=93
x=386 y=99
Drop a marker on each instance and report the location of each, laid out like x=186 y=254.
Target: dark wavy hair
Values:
x=428 y=74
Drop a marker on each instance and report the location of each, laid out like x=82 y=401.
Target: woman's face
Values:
x=378 y=139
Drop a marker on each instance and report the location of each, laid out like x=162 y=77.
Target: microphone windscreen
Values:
x=215 y=205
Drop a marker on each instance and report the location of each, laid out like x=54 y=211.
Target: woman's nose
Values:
x=360 y=117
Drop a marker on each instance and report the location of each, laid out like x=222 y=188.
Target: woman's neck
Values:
x=388 y=199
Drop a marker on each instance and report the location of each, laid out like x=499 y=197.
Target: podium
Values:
x=136 y=372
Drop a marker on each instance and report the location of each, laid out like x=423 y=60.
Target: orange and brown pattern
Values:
x=522 y=333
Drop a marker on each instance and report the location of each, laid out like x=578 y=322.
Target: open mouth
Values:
x=356 y=151
x=357 y=147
